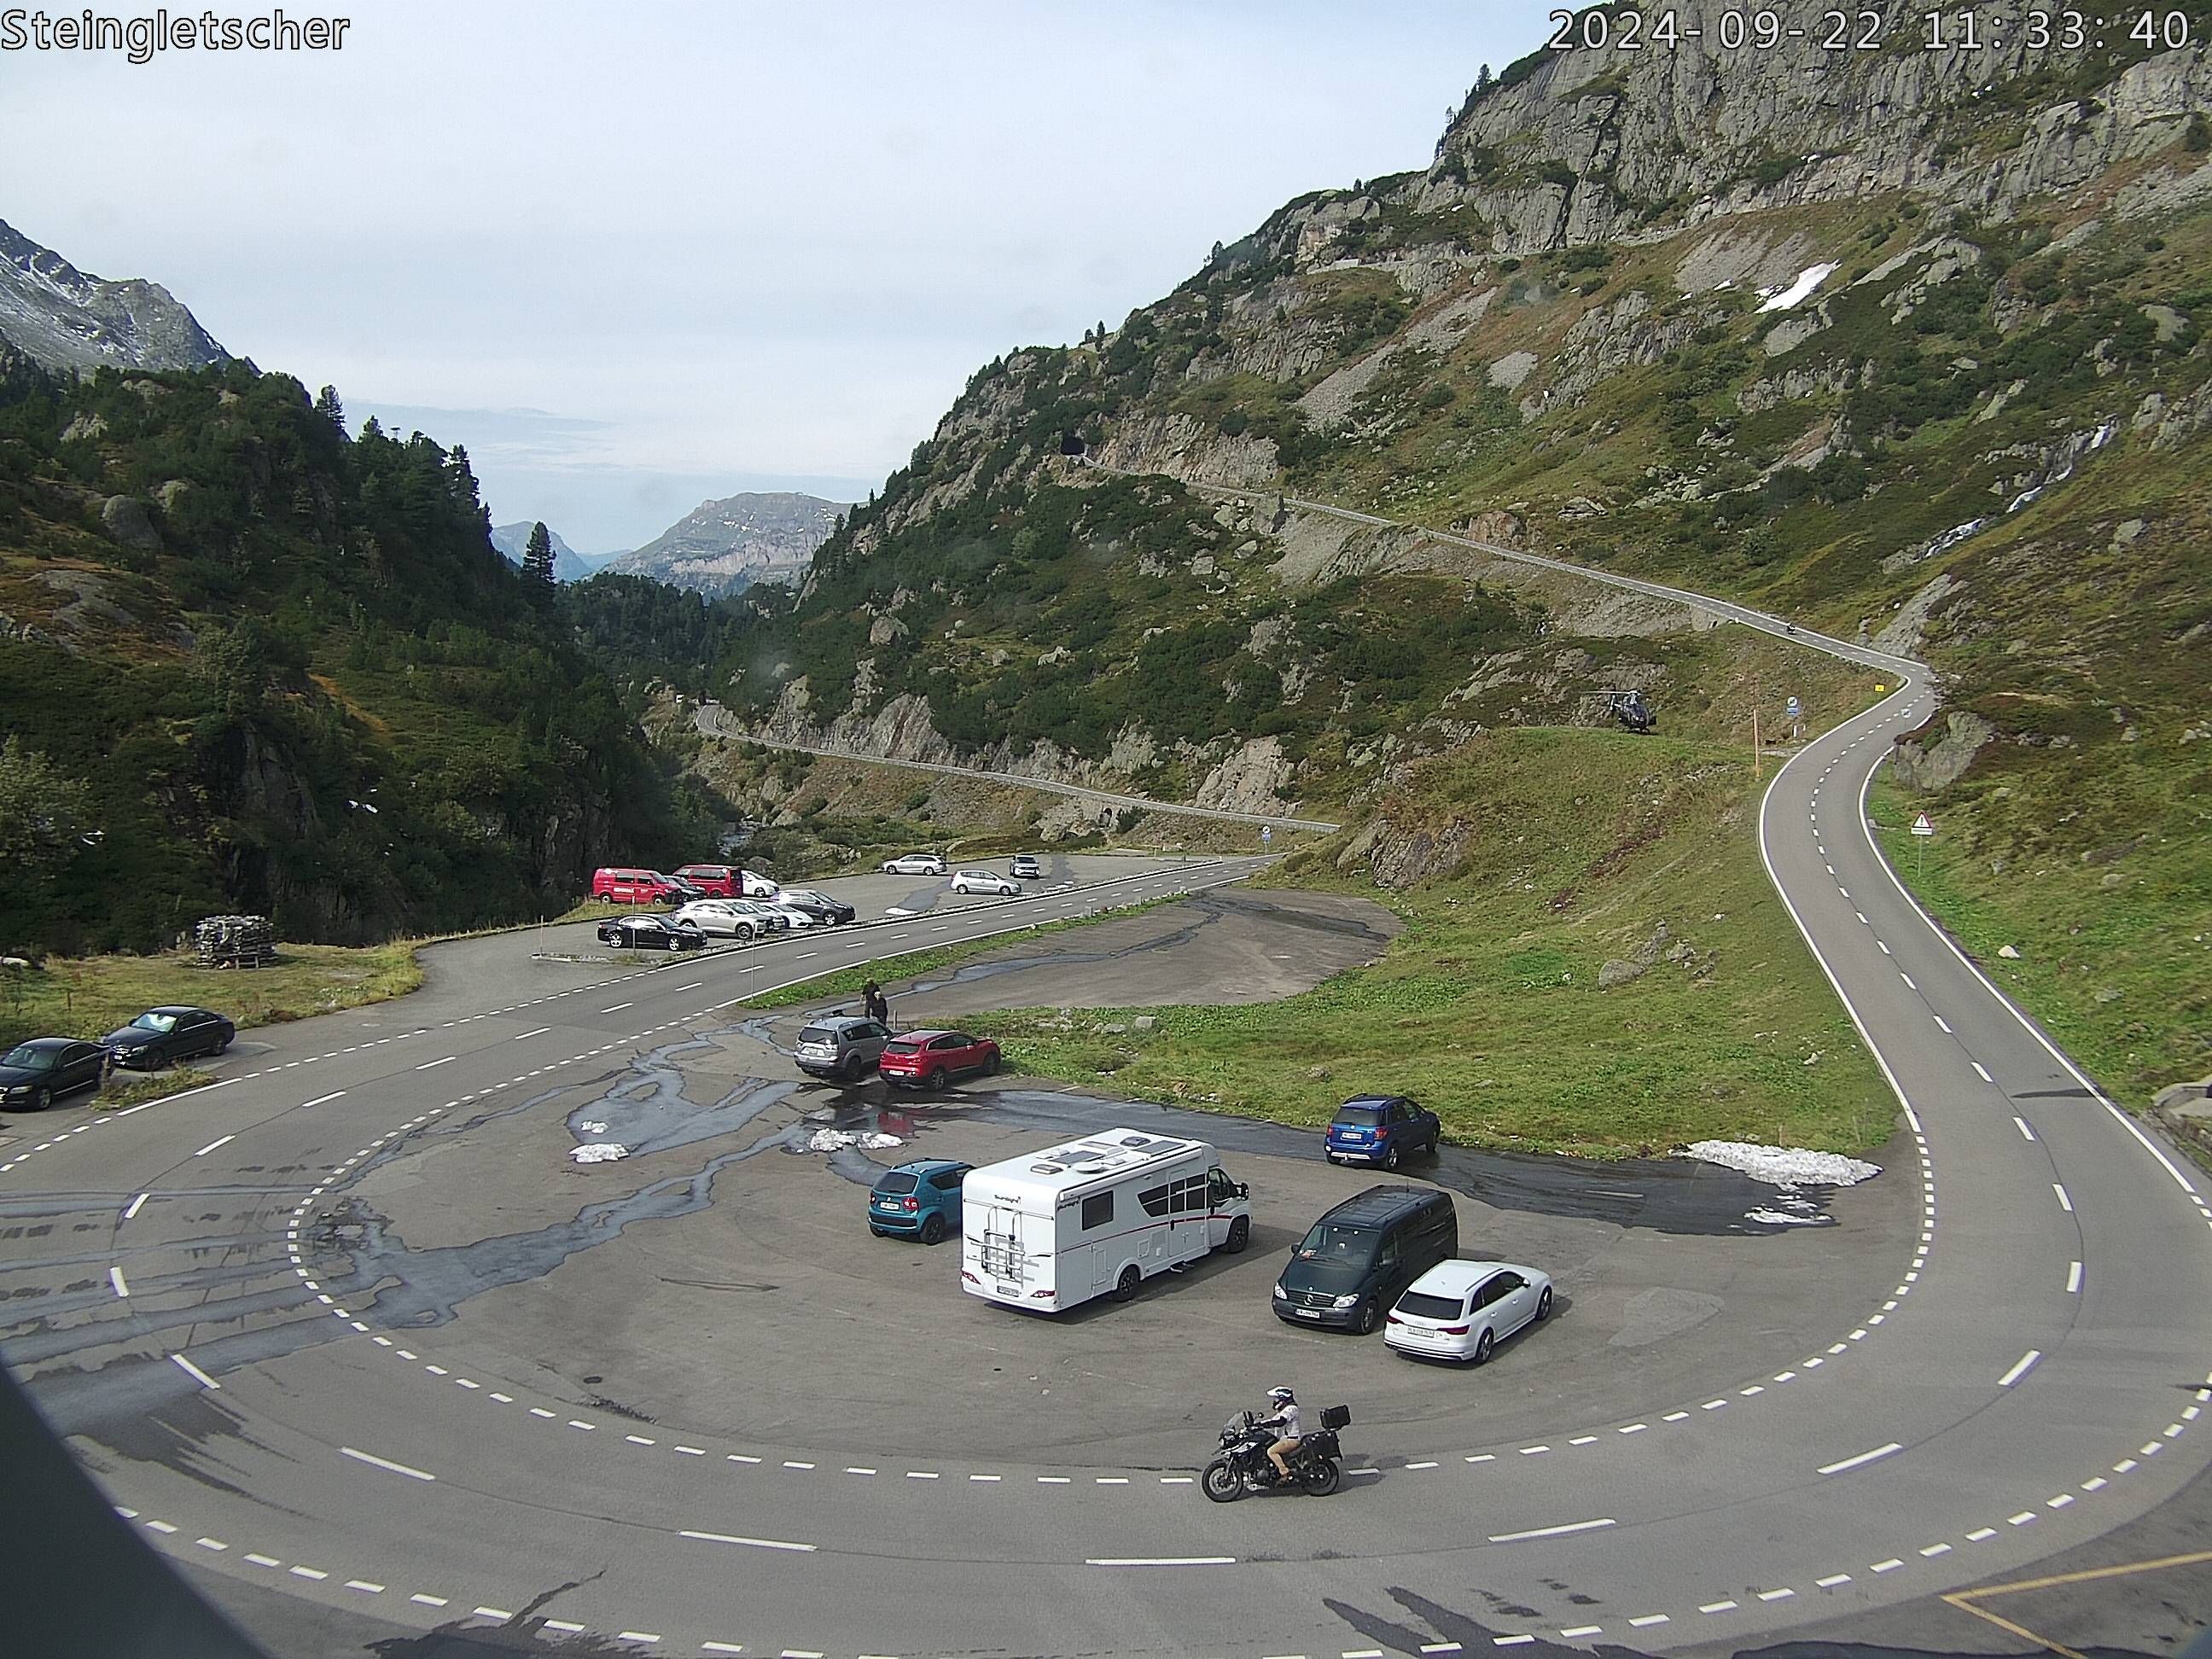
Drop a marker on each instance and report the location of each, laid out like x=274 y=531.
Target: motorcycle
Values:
x=1244 y=1466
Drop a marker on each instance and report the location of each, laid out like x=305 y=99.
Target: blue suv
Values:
x=920 y=1199
x=1384 y=1129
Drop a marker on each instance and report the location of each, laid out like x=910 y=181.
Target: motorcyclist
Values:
x=1288 y=1424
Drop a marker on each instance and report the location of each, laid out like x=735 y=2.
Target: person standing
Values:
x=875 y=1004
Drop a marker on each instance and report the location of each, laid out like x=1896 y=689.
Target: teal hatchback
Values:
x=920 y=1199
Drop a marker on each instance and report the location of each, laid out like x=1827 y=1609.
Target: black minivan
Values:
x=1357 y=1258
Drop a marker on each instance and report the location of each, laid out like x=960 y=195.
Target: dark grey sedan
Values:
x=161 y=1036
x=35 y=1074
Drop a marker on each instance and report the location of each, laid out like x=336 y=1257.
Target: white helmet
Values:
x=1281 y=1397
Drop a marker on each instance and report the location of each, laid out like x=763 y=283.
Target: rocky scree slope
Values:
x=67 y=320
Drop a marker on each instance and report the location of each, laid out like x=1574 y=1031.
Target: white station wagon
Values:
x=1461 y=1309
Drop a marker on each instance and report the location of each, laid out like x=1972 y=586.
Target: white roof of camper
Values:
x=1108 y=1153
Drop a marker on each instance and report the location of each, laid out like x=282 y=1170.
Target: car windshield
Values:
x=898 y=1181
x=1359 y=1117
x=30 y=1059
x=154 y=1020
x=1425 y=1306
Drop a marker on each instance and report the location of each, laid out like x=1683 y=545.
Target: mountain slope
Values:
x=1908 y=344
x=249 y=663
x=67 y=320
x=569 y=565
x=721 y=547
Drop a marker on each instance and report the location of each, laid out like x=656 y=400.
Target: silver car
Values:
x=839 y=1047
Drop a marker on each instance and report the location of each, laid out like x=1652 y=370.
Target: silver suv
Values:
x=839 y=1047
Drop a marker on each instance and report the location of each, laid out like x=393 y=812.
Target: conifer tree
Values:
x=538 y=554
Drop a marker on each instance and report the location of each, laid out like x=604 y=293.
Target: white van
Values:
x=1095 y=1217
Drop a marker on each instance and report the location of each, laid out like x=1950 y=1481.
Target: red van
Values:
x=621 y=886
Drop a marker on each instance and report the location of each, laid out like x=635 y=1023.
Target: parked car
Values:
x=920 y=1199
x=1461 y=1309
x=774 y=914
x=728 y=881
x=1385 y=1129
x=1025 y=867
x=35 y=1074
x=1356 y=1260
x=160 y=1036
x=915 y=864
x=930 y=1059
x=828 y=911
x=983 y=881
x=842 y=1047
x=628 y=886
x=721 y=919
x=652 y=933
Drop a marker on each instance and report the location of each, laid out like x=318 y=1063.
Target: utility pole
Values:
x=1755 y=731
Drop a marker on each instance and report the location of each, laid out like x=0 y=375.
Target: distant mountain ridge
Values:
x=66 y=320
x=722 y=546
x=569 y=565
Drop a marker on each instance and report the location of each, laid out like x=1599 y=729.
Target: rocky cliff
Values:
x=65 y=319
x=721 y=547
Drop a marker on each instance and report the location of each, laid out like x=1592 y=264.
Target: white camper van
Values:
x=1095 y=1217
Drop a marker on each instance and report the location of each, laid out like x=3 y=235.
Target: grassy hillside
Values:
x=251 y=663
x=1576 y=849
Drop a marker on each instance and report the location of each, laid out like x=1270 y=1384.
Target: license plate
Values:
x=1009 y=1290
x=1306 y=1313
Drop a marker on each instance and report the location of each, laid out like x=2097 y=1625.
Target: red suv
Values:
x=635 y=886
x=930 y=1059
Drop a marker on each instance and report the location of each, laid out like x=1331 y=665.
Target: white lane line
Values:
x=1723 y=1607
x=321 y=1100
x=115 y=1278
x=2020 y=1368
x=195 y=1372
x=1833 y=1580
x=1160 y=1561
x=2073 y=1277
x=1864 y=1458
x=1981 y=1071
x=2064 y=1202
x=210 y=1146
x=1907 y=978
x=806 y=955
x=1942 y=1025
x=540 y=1031
x=618 y=1008
x=137 y=1205
x=2026 y=1133
x=750 y=1543
x=430 y=1065
x=693 y=986
x=1549 y=1532
x=385 y=1463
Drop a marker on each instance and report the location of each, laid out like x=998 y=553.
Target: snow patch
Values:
x=1785 y=1166
x=835 y=1140
x=1798 y=291
x=600 y=1151
x=591 y=1128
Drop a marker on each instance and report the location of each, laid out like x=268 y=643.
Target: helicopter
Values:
x=1630 y=709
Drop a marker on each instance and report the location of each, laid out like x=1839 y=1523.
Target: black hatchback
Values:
x=161 y=1036
x=35 y=1074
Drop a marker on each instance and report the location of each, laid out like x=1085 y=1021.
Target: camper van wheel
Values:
x=1240 y=1235
x=932 y=1229
x=1126 y=1287
x=1366 y=1323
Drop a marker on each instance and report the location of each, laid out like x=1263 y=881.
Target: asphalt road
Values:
x=196 y=1299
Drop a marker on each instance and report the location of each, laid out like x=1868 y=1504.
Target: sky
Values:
x=634 y=259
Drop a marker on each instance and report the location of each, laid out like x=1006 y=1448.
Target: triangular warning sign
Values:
x=1923 y=825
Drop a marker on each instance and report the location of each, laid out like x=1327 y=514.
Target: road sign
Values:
x=1266 y=834
x=1794 y=709
x=1923 y=825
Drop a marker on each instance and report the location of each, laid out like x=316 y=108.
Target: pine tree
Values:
x=538 y=554
x=328 y=406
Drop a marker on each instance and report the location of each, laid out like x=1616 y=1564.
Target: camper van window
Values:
x=1155 y=1200
x=1190 y=1195
x=1097 y=1210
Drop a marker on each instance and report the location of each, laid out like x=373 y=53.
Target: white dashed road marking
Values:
x=2020 y=1368
x=374 y=1462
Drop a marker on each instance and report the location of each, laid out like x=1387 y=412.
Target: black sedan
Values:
x=651 y=933
x=832 y=912
x=35 y=1074
x=161 y=1036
